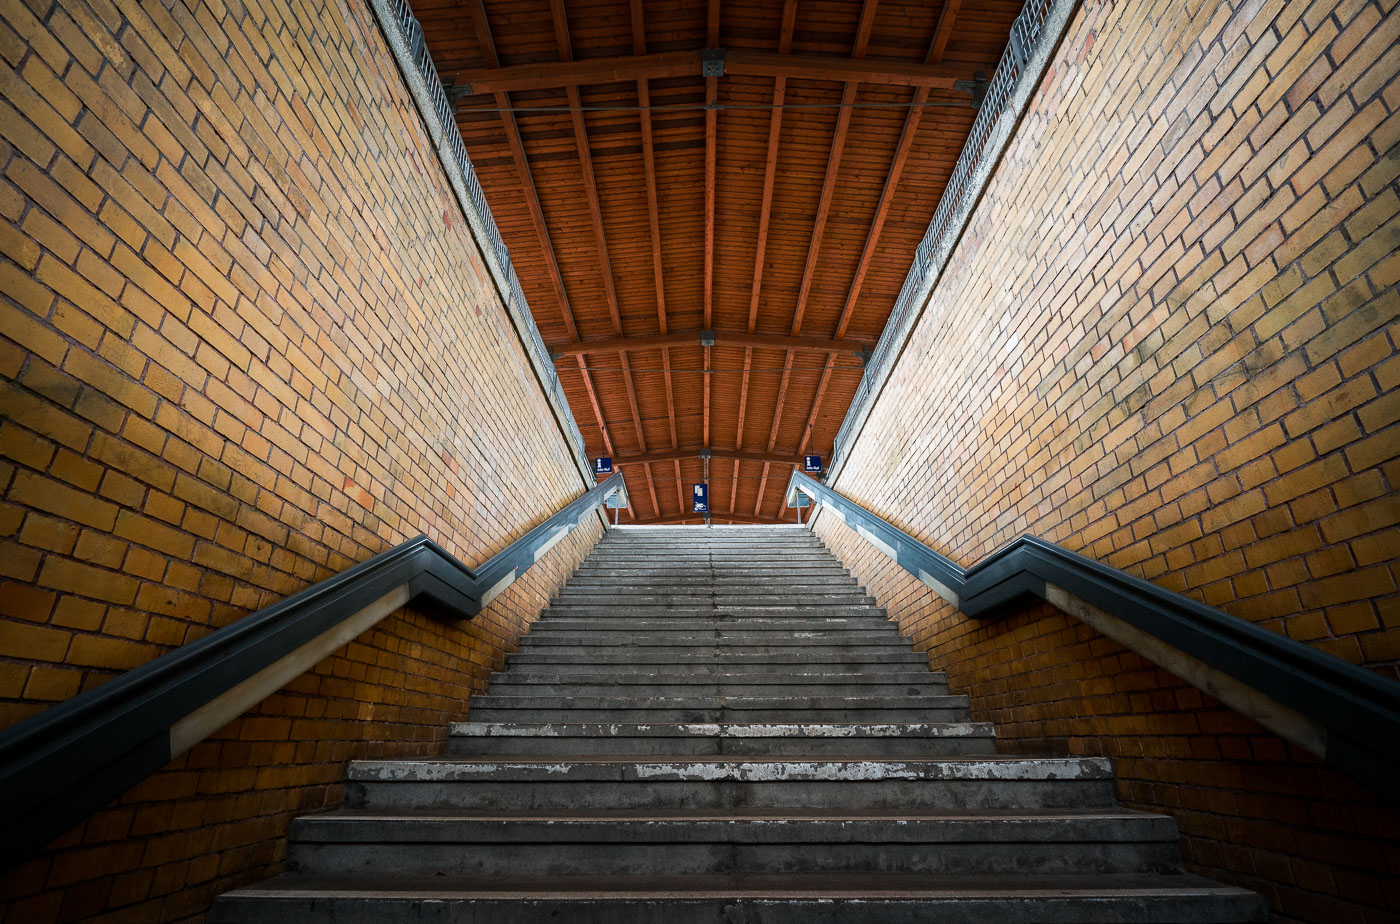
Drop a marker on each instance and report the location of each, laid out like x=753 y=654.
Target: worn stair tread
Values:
x=739 y=769
x=718 y=729
x=1114 y=826
x=646 y=701
x=870 y=886
x=596 y=780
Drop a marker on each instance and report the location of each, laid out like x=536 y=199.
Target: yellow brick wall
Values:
x=1168 y=341
x=246 y=341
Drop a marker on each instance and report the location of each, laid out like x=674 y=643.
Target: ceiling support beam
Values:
x=711 y=143
x=672 y=455
x=882 y=208
x=595 y=212
x=639 y=47
x=532 y=201
x=721 y=338
x=833 y=169
x=770 y=174
x=699 y=518
x=738 y=62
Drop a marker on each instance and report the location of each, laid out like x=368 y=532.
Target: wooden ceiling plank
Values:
x=770 y=173
x=738 y=62
x=711 y=156
x=559 y=17
x=674 y=519
x=762 y=485
x=833 y=169
x=944 y=31
x=639 y=46
x=532 y=201
x=882 y=208
x=675 y=455
x=797 y=344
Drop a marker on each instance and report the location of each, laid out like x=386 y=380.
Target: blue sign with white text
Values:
x=812 y=465
x=700 y=498
x=602 y=465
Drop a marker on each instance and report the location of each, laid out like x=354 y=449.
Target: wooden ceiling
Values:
x=778 y=205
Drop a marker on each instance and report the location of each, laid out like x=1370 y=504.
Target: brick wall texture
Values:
x=1167 y=341
x=246 y=341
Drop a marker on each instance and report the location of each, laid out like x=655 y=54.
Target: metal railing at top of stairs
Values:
x=65 y=763
x=1344 y=714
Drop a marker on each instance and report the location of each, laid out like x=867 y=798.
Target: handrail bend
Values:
x=65 y=763
x=1345 y=714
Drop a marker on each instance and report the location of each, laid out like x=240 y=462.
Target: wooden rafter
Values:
x=698 y=518
x=711 y=154
x=770 y=173
x=639 y=47
x=532 y=200
x=877 y=224
x=648 y=173
x=722 y=338
x=833 y=168
x=738 y=62
x=669 y=455
x=595 y=211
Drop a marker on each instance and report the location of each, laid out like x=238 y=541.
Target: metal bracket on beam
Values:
x=712 y=62
x=455 y=93
x=977 y=86
x=707 y=338
x=704 y=453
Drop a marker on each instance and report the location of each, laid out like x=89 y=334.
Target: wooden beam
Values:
x=595 y=212
x=672 y=455
x=722 y=338
x=711 y=155
x=770 y=173
x=944 y=31
x=639 y=47
x=877 y=224
x=738 y=62
x=833 y=168
x=532 y=201
x=699 y=518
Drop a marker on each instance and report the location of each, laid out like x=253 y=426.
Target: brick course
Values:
x=1167 y=340
x=248 y=341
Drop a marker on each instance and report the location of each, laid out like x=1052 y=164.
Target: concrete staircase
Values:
x=719 y=725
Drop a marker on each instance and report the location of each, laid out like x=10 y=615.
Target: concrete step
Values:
x=716 y=642
x=738 y=557
x=707 y=583
x=640 y=708
x=582 y=630
x=645 y=659
x=710 y=611
x=818 y=898
x=718 y=622
x=854 y=784
x=737 y=571
x=798 y=676
x=715 y=738
x=755 y=597
x=492 y=844
x=667 y=686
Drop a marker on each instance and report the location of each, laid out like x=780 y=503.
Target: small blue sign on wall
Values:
x=700 y=498
x=812 y=465
x=602 y=465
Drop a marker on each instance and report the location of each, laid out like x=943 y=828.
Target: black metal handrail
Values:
x=65 y=763
x=1350 y=715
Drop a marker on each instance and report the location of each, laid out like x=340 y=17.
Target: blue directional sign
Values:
x=602 y=465
x=812 y=465
x=700 y=498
